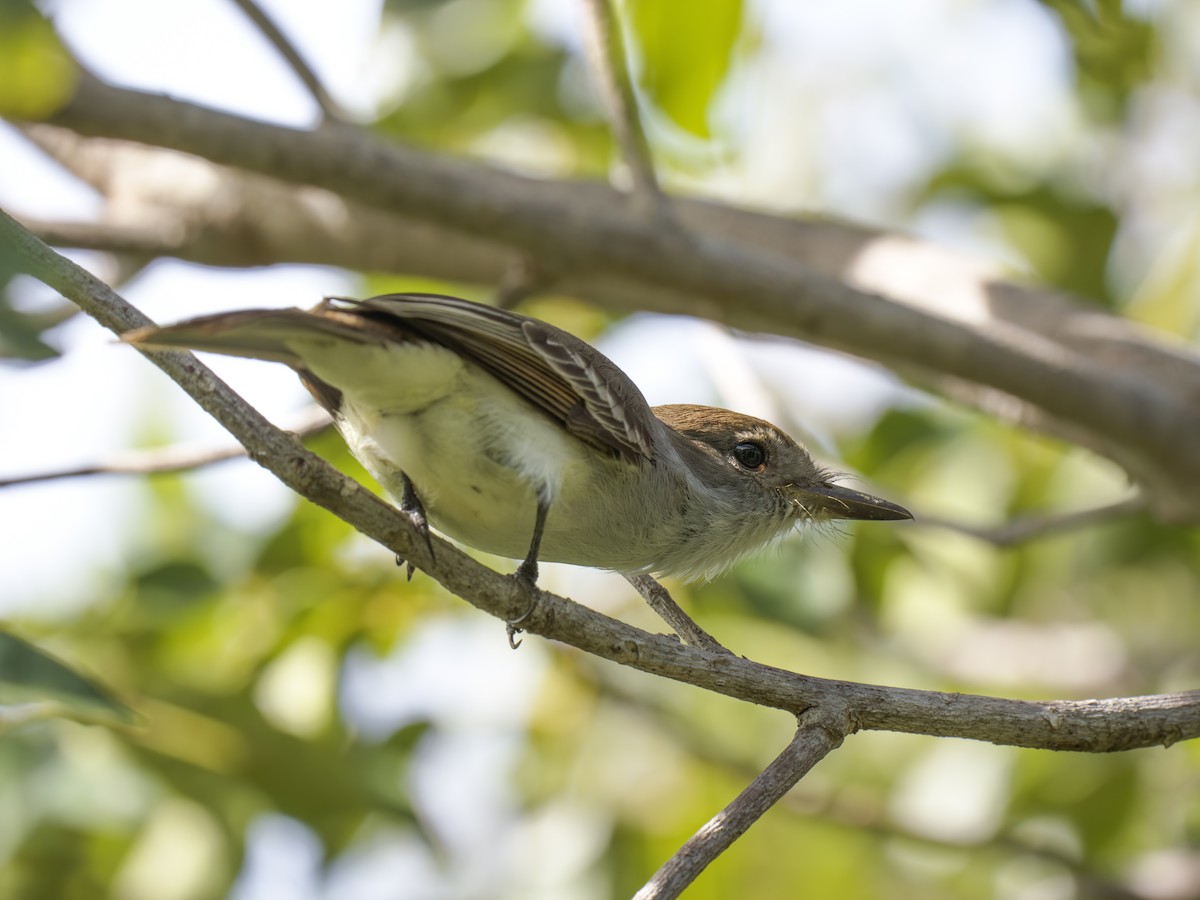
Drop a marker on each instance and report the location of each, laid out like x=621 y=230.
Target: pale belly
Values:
x=479 y=459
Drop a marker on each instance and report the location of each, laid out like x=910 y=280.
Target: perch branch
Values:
x=828 y=709
x=1084 y=725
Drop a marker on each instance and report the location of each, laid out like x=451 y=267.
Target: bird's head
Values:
x=753 y=458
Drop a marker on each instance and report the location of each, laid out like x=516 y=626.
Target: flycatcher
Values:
x=521 y=440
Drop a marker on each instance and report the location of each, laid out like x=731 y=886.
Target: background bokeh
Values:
x=316 y=727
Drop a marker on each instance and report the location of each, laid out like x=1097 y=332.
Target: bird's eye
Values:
x=750 y=455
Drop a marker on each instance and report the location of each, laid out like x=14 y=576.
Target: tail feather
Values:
x=267 y=334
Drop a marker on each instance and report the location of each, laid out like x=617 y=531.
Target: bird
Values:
x=519 y=439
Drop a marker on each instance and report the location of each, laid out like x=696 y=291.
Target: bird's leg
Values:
x=527 y=572
x=411 y=506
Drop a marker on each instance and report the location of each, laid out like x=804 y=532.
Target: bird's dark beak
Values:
x=836 y=502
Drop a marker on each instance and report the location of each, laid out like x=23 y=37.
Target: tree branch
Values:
x=819 y=732
x=1030 y=528
x=177 y=458
x=1085 y=725
x=661 y=601
x=857 y=812
x=610 y=66
x=329 y=108
x=828 y=709
x=107 y=237
x=1131 y=412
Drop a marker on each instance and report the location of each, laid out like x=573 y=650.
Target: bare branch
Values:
x=1133 y=412
x=828 y=709
x=610 y=66
x=1032 y=528
x=265 y=24
x=661 y=601
x=819 y=733
x=177 y=458
x=108 y=237
x=1083 y=725
x=856 y=812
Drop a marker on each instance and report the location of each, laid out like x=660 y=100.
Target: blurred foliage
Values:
x=683 y=52
x=486 y=77
x=23 y=332
x=36 y=77
x=1060 y=233
x=36 y=73
x=1115 y=52
x=238 y=650
x=28 y=673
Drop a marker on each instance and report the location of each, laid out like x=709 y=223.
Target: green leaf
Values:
x=29 y=674
x=37 y=75
x=684 y=50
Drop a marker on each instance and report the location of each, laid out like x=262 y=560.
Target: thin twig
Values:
x=832 y=807
x=661 y=601
x=816 y=736
x=176 y=458
x=330 y=111
x=149 y=240
x=610 y=65
x=1033 y=528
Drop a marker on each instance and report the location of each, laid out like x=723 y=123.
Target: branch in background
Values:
x=1032 y=528
x=243 y=219
x=109 y=237
x=817 y=735
x=610 y=66
x=330 y=110
x=1132 y=411
x=178 y=458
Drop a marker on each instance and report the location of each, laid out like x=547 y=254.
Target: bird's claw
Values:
x=414 y=510
x=526 y=574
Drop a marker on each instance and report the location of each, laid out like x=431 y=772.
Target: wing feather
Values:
x=555 y=371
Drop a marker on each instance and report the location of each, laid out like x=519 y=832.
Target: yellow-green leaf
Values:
x=37 y=75
x=683 y=49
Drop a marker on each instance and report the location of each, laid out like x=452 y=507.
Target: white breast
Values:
x=477 y=453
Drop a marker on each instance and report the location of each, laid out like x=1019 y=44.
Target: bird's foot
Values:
x=414 y=510
x=526 y=575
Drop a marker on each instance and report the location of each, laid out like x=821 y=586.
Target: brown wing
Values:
x=555 y=371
